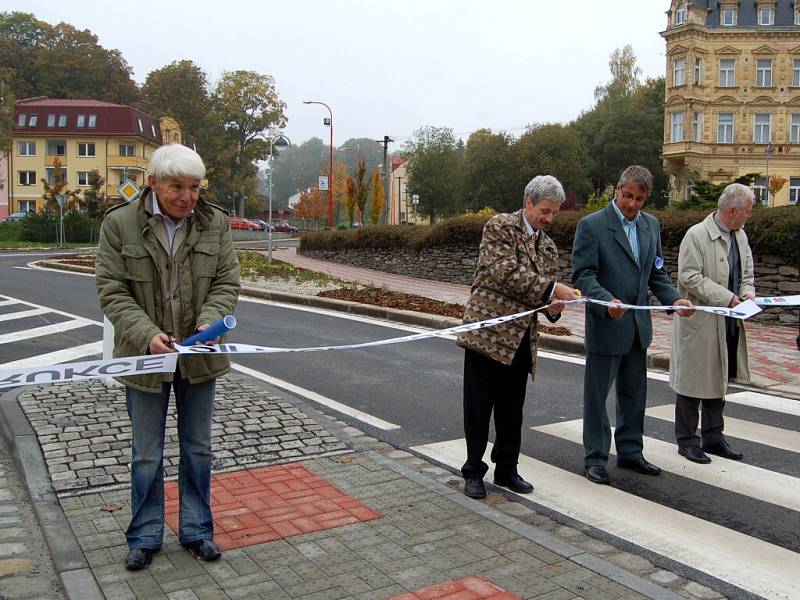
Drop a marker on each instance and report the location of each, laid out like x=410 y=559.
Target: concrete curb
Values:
x=68 y=558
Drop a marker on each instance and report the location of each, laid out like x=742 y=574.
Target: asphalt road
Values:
x=417 y=386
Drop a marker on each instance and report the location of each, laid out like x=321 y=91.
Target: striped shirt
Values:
x=629 y=227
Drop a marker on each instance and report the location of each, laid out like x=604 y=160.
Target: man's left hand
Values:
x=203 y=327
x=685 y=312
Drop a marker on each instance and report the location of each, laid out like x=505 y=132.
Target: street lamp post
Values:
x=330 y=173
x=281 y=141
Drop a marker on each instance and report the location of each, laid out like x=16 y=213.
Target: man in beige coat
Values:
x=715 y=268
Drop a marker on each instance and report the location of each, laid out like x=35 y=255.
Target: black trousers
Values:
x=492 y=386
x=687 y=409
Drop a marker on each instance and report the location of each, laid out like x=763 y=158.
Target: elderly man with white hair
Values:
x=715 y=268
x=165 y=269
x=517 y=270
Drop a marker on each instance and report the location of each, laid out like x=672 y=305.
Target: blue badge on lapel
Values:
x=659 y=262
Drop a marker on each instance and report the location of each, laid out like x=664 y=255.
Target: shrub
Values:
x=43 y=227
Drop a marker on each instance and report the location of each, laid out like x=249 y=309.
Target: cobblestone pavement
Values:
x=426 y=532
x=26 y=571
x=773 y=351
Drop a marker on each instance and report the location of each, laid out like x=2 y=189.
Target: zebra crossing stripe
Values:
x=27 y=334
x=758 y=567
x=58 y=356
x=741 y=478
x=23 y=313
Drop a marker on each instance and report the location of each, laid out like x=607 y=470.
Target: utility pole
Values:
x=387 y=174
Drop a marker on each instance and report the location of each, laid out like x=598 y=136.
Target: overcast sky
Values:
x=388 y=67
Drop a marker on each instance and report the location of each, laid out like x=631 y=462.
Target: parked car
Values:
x=284 y=227
x=17 y=216
x=262 y=225
x=243 y=224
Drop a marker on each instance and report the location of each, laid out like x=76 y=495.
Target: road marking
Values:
x=27 y=334
x=731 y=475
x=745 y=430
x=24 y=313
x=765 y=401
x=53 y=358
x=24 y=268
x=744 y=561
x=318 y=398
x=52 y=310
x=36 y=267
x=8 y=302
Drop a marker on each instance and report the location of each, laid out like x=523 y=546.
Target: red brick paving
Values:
x=467 y=588
x=261 y=505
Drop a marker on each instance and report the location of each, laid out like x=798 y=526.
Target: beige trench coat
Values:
x=699 y=362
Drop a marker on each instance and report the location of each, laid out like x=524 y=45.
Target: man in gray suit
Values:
x=616 y=257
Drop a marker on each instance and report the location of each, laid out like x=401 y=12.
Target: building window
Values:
x=728 y=17
x=125 y=175
x=727 y=72
x=27 y=206
x=56 y=147
x=796 y=72
x=26 y=148
x=141 y=126
x=680 y=14
x=761 y=129
x=21 y=119
x=676 y=130
x=697 y=127
x=764 y=72
x=794 y=190
x=83 y=178
x=698 y=71
x=33 y=120
x=725 y=128
x=760 y=191
x=27 y=177
x=62 y=120
x=92 y=121
x=797 y=15
x=765 y=15
x=678 y=71
x=794 y=132
x=52 y=174
x=86 y=149
x=81 y=122
x=153 y=129
x=51 y=120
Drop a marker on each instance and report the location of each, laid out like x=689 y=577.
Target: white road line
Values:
x=734 y=476
x=765 y=401
x=53 y=358
x=24 y=313
x=744 y=561
x=24 y=268
x=52 y=310
x=19 y=336
x=36 y=267
x=745 y=430
x=318 y=398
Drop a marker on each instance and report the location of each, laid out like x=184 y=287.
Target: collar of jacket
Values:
x=199 y=219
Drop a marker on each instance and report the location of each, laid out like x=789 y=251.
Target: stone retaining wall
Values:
x=456 y=264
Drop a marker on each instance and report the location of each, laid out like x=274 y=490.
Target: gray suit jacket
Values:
x=603 y=267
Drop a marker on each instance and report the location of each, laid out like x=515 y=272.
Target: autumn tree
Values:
x=358 y=187
x=6 y=122
x=311 y=206
x=340 y=177
x=93 y=199
x=58 y=187
x=378 y=197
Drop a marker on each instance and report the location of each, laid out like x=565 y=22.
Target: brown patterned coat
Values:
x=516 y=272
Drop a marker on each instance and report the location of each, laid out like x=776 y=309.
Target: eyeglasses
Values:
x=628 y=196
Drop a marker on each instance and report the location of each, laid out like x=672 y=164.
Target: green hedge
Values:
x=774 y=231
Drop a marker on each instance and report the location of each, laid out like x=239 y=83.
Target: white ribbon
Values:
x=166 y=363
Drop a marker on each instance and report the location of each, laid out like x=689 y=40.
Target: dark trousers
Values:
x=687 y=417
x=492 y=386
x=629 y=373
x=687 y=408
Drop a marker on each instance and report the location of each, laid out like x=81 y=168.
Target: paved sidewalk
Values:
x=306 y=507
x=774 y=360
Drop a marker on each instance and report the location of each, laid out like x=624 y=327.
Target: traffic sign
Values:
x=323 y=182
x=128 y=190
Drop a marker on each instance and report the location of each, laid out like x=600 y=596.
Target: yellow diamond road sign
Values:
x=128 y=191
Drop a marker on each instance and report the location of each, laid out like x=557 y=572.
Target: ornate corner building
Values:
x=732 y=102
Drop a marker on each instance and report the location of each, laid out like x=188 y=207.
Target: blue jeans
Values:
x=148 y=413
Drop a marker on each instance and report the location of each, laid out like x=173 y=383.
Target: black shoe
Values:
x=474 y=488
x=203 y=549
x=695 y=454
x=513 y=482
x=638 y=464
x=724 y=450
x=597 y=474
x=138 y=558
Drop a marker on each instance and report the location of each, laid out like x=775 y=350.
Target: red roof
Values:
x=396 y=162
x=110 y=119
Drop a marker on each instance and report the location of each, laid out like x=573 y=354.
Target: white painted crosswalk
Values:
x=754 y=565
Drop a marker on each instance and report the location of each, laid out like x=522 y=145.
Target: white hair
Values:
x=176 y=160
x=735 y=195
x=544 y=186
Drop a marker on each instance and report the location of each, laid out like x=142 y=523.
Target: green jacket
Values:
x=131 y=262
